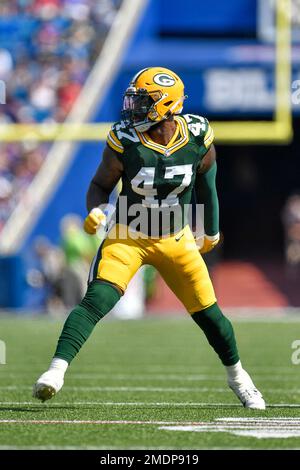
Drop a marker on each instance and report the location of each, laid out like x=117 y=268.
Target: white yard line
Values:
x=98 y=421
x=242 y=423
x=126 y=389
x=160 y=377
x=272 y=420
x=142 y=404
x=137 y=377
x=188 y=369
x=122 y=389
x=112 y=403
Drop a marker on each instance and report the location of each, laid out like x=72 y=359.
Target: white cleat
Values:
x=247 y=393
x=48 y=385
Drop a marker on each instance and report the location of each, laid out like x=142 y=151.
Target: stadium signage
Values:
x=243 y=90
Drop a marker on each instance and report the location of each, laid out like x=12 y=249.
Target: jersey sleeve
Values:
x=209 y=135
x=201 y=130
x=113 y=142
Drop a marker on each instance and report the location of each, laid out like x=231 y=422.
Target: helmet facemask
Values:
x=137 y=105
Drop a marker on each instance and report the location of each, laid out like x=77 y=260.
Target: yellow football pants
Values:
x=175 y=257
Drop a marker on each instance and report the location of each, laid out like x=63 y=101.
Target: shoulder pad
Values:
x=120 y=136
x=200 y=128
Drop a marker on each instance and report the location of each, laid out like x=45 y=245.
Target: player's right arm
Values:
x=105 y=179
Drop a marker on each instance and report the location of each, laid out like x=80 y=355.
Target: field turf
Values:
x=135 y=381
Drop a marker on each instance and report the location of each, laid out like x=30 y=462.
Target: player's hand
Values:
x=93 y=221
x=207 y=243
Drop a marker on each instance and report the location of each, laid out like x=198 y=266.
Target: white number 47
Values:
x=146 y=177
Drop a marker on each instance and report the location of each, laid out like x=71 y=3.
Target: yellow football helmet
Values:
x=154 y=94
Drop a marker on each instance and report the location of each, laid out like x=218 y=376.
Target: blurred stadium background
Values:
x=65 y=65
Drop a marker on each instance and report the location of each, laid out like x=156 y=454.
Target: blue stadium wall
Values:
x=169 y=37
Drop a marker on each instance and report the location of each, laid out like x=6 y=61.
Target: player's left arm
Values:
x=206 y=193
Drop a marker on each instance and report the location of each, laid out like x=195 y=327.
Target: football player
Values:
x=160 y=155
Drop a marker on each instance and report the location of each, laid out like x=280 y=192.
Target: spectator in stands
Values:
x=47 y=48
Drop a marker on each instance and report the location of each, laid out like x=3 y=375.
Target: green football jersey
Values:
x=158 y=180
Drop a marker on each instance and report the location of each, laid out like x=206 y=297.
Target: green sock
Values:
x=99 y=299
x=219 y=333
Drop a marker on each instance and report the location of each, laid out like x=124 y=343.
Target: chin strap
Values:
x=145 y=126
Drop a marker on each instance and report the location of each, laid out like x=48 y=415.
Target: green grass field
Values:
x=135 y=381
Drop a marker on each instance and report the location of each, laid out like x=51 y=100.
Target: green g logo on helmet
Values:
x=154 y=94
x=163 y=79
